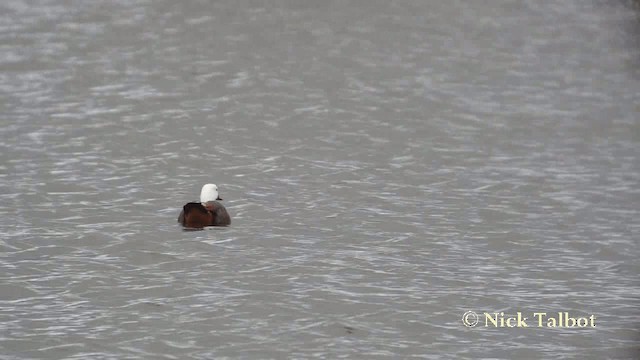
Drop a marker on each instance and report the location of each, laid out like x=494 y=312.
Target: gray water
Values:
x=388 y=166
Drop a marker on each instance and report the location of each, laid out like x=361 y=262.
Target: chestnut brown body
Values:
x=197 y=215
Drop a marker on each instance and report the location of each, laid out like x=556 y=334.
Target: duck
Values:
x=208 y=212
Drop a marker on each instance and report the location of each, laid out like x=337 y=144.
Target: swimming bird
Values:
x=208 y=212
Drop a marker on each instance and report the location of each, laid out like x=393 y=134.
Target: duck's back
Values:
x=212 y=213
x=220 y=215
x=195 y=215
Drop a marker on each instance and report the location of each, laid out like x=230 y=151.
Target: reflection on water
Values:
x=388 y=166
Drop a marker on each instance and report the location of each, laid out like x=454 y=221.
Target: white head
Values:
x=209 y=193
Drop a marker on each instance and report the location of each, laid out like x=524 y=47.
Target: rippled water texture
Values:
x=387 y=165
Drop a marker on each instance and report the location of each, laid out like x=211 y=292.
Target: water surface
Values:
x=387 y=166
